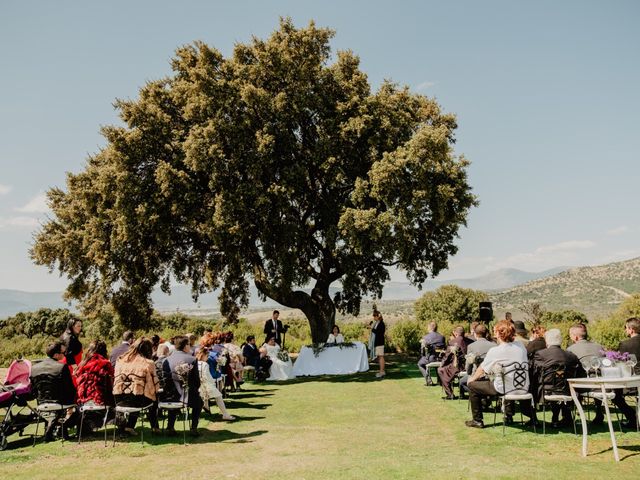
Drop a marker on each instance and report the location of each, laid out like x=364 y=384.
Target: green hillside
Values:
x=595 y=291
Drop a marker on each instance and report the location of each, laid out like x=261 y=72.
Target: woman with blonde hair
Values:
x=136 y=383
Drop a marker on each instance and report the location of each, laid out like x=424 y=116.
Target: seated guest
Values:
x=51 y=383
x=280 y=369
x=335 y=336
x=250 y=352
x=161 y=354
x=480 y=387
x=136 y=384
x=431 y=342
x=632 y=345
x=585 y=350
x=94 y=381
x=453 y=361
x=522 y=335
x=155 y=341
x=236 y=360
x=536 y=341
x=545 y=364
x=127 y=339
x=208 y=387
x=172 y=366
x=95 y=376
x=581 y=347
x=476 y=353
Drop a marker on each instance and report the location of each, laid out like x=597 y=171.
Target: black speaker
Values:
x=486 y=312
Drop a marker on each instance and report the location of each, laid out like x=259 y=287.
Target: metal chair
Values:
x=519 y=375
x=176 y=406
x=52 y=410
x=555 y=390
x=91 y=407
x=126 y=411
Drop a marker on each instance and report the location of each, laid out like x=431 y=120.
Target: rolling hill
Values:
x=593 y=290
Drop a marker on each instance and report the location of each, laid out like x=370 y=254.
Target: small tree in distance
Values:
x=450 y=304
x=271 y=165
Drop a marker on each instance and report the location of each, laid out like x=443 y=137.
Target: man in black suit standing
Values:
x=127 y=340
x=632 y=345
x=273 y=328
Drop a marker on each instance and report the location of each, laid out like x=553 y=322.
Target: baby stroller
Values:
x=16 y=414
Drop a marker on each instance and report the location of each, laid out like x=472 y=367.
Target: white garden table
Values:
x=604 y=384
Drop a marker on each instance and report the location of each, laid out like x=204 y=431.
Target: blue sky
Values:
x=546 y=95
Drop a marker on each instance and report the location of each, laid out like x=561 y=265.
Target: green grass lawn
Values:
x=346 y=427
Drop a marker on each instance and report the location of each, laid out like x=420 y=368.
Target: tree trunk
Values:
x=317 y=307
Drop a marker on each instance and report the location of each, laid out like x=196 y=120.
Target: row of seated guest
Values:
x=136 y=381
x=549 y=367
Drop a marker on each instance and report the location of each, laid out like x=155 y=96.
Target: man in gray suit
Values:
x=127 y=339
x=582 y=347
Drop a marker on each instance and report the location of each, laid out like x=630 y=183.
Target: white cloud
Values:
x=18 y=222
x=424 y=86
x=37 y=204
x=4 y=189
x=546 y=256
x=618 y=231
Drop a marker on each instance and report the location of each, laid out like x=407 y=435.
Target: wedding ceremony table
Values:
x=604 y=384
x=334 y=360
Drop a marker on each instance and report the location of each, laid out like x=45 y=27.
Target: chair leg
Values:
x=104 y=425
x=534 y=417
x=142 y=413
x=184 y=425
x=544 y=418
x=81 y=424
x=35 y=435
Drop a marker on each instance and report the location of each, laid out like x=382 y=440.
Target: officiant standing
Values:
x=273 y=328
x=376 y=341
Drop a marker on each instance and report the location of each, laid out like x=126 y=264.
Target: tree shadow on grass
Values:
x=249 y=394
x=227 y=436
x=239 y=404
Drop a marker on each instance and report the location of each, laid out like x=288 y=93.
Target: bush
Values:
x=44 y=321
x=404 y=336
x=23 y=346
x=450 y=303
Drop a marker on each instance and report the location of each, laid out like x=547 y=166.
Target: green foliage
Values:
x=564 y=316
x=22 y=346
x=44 y=321
x=609 y=332
x=271 y=164
x=404 y=336
x=449 y=304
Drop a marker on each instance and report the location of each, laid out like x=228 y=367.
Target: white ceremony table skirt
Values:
x=332 y=361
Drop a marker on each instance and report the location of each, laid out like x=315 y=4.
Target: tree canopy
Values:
x=450 y=304
x=273 y=164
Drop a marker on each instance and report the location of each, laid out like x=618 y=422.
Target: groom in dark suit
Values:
x=273 y=328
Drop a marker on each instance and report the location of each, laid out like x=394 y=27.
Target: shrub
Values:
x=450 y=303
x=404 y=336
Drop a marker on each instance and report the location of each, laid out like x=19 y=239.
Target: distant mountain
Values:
x=592 y=290
x=14 y=301
x=501 y=279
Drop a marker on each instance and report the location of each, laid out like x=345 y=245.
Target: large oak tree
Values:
x=277 y=164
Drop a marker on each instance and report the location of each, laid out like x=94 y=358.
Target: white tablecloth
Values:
x=332 y=361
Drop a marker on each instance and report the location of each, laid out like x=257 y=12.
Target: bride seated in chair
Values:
x=282 y=367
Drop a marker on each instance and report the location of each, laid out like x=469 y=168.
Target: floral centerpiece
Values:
x=616 y=364
x=318 y=348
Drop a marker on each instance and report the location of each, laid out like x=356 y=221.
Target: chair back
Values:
x=515 y=377
x=553 y=379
